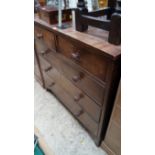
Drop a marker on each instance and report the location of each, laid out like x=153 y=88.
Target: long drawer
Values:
x=77 y=76
x=93 y=62
x=62 y=89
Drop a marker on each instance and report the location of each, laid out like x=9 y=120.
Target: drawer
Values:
x=94 y=63
x=45 y=37
x=78 y=96
x=65 y=96
x=77 y=76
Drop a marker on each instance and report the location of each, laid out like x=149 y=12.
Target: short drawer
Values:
x=45 y=36
x=92 y=62
x=77 y=76
x=61 y=91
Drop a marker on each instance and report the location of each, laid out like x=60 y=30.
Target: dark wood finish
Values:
x=112 y=141
x=77 y=76
x=112 y=3
x=66 y=92
x=115 y=29
x=111 y=24
x=92 y=62
x=99 y=23
x=79 y=96
x=82 y=71
x=50 y=14
x=96 y=43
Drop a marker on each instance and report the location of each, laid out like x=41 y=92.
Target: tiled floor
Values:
x=63 y=134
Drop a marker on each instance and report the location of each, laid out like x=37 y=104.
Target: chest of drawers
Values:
x=81 y=71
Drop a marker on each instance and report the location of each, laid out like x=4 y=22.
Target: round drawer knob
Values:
x=52 y=84
x=76 y=56
x=78 y=97
x=78 y=113
x=44 y=52
x=76 y=78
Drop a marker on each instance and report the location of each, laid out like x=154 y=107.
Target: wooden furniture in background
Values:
x=102 y=3
x=112 y=141
x=42 y=2
x=111 y=23
x=50 y=14
x=82 y=71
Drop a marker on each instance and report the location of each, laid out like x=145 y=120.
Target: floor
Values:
x=63 y=134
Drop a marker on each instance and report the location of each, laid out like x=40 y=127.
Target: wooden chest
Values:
x=50 y=14
x=81 y=71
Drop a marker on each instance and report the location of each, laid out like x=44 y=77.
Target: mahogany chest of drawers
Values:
x=81 y=71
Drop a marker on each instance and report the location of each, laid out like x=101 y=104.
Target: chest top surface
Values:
x=93 y=38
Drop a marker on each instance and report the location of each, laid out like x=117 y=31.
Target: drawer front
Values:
x=45 y=37
x=77 y=95
x=94 y=63
x=67 y=98
x=75 y=74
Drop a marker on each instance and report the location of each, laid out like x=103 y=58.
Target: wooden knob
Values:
x=39 y=35
x=76 y=78
x=43 y=52
x=52 y=84
x=78 y=97
x=76 y=56
x=78 y=113
x=48 y=68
